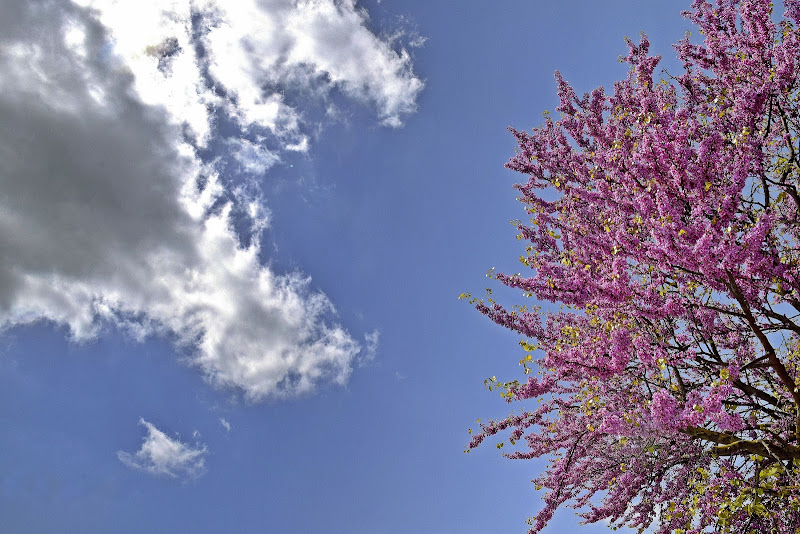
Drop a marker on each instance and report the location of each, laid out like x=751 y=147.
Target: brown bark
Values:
x=729 y=445
x=769 y=350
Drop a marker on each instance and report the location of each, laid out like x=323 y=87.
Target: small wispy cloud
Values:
x=371 y=340
x=161 y=455
x=225 y=424
x=253 y=159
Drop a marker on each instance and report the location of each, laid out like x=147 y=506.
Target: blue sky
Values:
x=233 y=236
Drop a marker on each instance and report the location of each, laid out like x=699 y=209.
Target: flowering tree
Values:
x=665 y=219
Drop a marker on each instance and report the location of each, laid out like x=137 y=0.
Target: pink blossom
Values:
x=664 y=220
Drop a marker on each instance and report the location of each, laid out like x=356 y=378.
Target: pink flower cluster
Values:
x=663 y=217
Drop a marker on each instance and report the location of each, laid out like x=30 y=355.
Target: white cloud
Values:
x=372 y=340
x=252 y=158
x=108 y=214
x=225 y=424
x=322 y=43
x=164 y=456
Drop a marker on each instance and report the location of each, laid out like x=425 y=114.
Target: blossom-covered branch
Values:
x=664 y=219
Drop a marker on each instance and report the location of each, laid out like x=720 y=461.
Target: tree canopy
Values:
x=664 y=221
